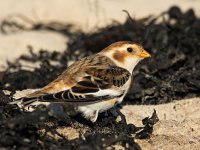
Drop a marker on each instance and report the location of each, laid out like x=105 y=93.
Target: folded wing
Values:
x=98 y=84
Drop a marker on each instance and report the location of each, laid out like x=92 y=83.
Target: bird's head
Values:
x=125 y=54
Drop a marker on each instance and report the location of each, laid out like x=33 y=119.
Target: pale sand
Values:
x=90 y=13
x=178 y=128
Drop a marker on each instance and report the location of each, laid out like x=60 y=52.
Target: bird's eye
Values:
x=129 y=50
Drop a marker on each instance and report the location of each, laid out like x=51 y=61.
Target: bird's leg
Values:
x=91 y=115
x=113 y=111
x=94 y=117
x=124 y=122
x=116 y=111
x=123 y=118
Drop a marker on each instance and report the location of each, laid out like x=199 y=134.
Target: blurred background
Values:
x=86 y=15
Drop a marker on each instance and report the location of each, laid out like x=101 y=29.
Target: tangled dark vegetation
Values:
x=172 y=73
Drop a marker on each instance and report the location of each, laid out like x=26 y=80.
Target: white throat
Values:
x=128 y=64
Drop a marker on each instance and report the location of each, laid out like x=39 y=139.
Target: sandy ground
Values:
x=179 y=125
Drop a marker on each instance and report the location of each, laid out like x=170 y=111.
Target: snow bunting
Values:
x=95 y=83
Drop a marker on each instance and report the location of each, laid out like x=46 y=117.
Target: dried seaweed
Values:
x=22 y=130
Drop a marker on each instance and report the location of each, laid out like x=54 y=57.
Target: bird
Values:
x=94 y=83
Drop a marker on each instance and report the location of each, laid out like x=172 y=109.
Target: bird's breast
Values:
x=100 y=106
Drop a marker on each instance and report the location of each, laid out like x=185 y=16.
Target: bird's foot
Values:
x=91 y=115
x=122 y=116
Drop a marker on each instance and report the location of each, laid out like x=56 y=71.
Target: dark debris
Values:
x=148 y=123
x=22 y=130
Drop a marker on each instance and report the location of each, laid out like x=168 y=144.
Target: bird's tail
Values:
x=24 y=102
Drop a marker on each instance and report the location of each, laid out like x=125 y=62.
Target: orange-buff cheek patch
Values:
x=119 y=56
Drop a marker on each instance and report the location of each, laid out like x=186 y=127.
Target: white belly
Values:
x=104 y=105
x=100 y=106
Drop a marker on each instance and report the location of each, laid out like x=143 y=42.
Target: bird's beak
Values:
x=144 y=54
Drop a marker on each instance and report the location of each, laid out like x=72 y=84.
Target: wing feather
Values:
x=113 y=75
x=95 y=86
